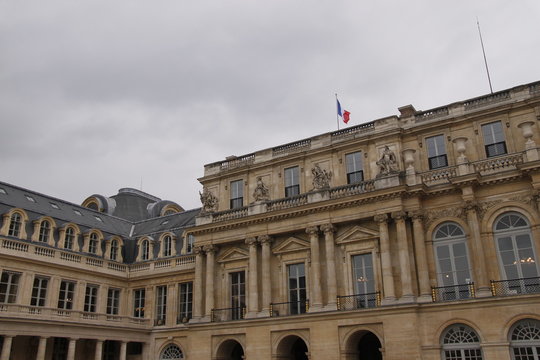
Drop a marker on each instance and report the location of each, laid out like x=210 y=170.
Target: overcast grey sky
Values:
x=95 y=95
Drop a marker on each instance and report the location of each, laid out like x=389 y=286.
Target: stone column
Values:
x=198 y=286
x=386 y=260
x=41 y=348
x=331 y=279
x=421 y=256
x=315 y=300
x=479 y=268
x=404 y=260
x=71 y=349
x=6 y=348
x=266 y=241
x=99 y=350
x=253 y=295
x=123 y=350
x=210 y=251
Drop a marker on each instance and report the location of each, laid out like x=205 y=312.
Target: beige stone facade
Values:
x=410 y=237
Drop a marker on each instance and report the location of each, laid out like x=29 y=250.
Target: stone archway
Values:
x=363 y=345
x=292 y=347
x=230 y=350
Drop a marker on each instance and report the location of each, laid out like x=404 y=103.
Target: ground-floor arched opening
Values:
x=363 y=345
x=230 y=350
x=292 y=347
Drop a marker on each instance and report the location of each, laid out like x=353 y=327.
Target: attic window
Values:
x=98 y=218
x=29 y=198
x=2 y=191
x=54 y=206
x=77 y=212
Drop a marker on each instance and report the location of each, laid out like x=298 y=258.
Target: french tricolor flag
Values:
x=343 y=114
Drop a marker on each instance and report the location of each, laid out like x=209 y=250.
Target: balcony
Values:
x=228 y=314
x=515 y=287
x=289 y=308
x=359 y=301
x=453 y=292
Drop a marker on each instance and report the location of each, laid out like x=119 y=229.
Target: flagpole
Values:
x=484 y=52
x=337 y=110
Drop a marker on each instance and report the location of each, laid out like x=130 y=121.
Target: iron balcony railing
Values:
x=515 y=286
x=359 y=301
x=289 y=308
x=228 y=314
x=453 y=292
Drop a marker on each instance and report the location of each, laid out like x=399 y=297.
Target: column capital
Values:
x=265 y=239
x=381 y=218
x=328 y=228
x=312 y=230
x=471 y=205
x=198 y=250
x=416 y=214
x=251 y=241
x=210 y=249
x=399 y=215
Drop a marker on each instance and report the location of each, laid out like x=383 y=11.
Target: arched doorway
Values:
x=292 y=347
x=363 y=345
x=230 y=350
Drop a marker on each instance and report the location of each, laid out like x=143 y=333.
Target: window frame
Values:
x=9 y=286
x=236 y=194
x=69 y=238
x=15 y=224
x=113 y=301
x=67 y=288
x=292 y=185
x=166 y=242
x=461 y=350
x=185 y=301
x=490 y=140
x=301 y=293
x=432 y=158
x=44 y=231
x=39 y=291
x=237 y=293
x=161 y=304
x=139 y=302
x=90 y=298
x=353 y=173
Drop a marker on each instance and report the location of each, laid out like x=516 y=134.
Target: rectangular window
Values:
x=39 y=291
x=161 y=304
x=185 y=301
x=9 y=284
x=113 y=300
x=355 y=170
x=65 y=296
x=139 y=297
x=238 y=294
x=237 y=194
x=364 y=281
x=494 y=139
x=292 y=181
x=90 y=298
x=297 y=288
x=436 y=152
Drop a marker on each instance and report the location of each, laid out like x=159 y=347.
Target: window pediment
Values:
x=291 y=244
x=233 y=254
x=356 y=234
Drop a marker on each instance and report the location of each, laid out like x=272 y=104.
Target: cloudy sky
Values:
x=99 y=95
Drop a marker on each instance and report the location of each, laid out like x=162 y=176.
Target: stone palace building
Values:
x=414 y=236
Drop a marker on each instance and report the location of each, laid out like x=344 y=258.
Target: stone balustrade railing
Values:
x=498 y=164
x=438 y=176
x=352 y=189
x=33 y=250
x=286 y=203
x=291 y=147
x=230 y=214
x=431 y=114
x=353 y=130
x=46 y=313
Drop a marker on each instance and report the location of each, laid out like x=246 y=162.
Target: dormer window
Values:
x=93 y=243
x=15 y=225
x=167 y=245
x=44 y=231
x=68 y=239
x=145 y=250
x=114 y=250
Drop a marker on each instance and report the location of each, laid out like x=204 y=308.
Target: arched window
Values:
x=460 y=342
x=15 y=225
x=167 y=245
x=453 y=270
x=69 y=237
x=525 y=340
x=114 y=250
x=44 y=231
x=190 y=242
x=145 y=250
x=171 y=352
x=93 y=244
x=517 y=256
